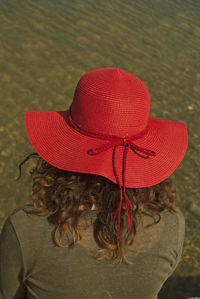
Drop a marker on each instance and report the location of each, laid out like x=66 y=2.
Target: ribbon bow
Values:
x=127 y=143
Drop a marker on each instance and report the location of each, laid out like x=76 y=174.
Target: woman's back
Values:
x=53 y=272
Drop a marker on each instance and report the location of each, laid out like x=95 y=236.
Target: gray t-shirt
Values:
x=33 y=266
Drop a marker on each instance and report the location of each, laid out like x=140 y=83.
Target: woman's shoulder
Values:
x=21 y=209
x=26 y=209
x=178 y=217
x=24 y=217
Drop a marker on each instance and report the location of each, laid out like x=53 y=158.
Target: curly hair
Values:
x=60 y=193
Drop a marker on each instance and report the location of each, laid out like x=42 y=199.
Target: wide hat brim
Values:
x=65 y=148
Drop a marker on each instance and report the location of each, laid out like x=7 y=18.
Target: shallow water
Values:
x=46 y=46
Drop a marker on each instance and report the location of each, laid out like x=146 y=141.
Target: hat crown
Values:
x=111 y=101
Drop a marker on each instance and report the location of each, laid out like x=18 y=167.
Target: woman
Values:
x=102 y=174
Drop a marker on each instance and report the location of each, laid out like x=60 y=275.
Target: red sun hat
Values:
x=108 y=131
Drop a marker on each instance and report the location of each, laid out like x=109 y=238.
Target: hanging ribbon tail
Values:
x=128 y=204
x=128 y=211
x=129 y=214
x=119 y=213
